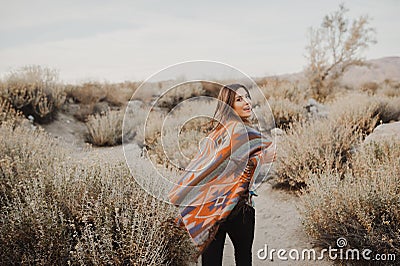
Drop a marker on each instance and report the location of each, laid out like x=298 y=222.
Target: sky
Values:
x=115 y=41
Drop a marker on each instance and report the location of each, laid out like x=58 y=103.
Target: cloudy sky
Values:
x=130 y=40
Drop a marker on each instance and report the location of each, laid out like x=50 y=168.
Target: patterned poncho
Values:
x=216 y=178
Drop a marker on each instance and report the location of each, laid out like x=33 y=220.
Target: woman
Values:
x=214 y=194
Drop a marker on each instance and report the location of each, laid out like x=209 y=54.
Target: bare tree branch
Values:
x=335 y=46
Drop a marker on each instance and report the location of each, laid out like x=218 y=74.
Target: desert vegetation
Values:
x=35 y=91
x=58 y=206
x=56 y=209
x=334 y=47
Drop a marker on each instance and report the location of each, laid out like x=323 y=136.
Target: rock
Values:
x=384 y=132
x=316 y=109
x=100 y=108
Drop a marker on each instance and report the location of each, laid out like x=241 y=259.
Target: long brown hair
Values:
x=224 y=110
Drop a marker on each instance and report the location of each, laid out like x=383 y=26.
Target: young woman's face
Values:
x=242 y=103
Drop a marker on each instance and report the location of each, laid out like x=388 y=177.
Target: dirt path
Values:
x=278 y=226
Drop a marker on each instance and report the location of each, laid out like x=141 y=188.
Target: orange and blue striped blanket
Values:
x=216 y=178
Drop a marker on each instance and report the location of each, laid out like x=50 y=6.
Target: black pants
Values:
x=240 y=228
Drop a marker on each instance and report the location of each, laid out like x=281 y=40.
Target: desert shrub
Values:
x=286 y=113
x=116 y=221
x=390 y=88
x=387 y=88
x=178 y=147
x=105 y=129
x=363 y=207
x=33 y=228
x=390 y=109
x=8 y=113
x=313 y=147
x=94 y=98
x=91 y=93
x=87 y=93
x=364 y=111
x=211 y=88
x=359 y=110
x=284 y=89
x=58 y=210
x=178 y=94
x=327 y=145
x=148 y=127
x=35 y=91
x=369 y=87
x=174 y=139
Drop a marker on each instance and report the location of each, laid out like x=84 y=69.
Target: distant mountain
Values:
x=379 y=70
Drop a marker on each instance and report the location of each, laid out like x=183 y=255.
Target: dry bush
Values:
x=364 y=207
x=358 y=110
x=211 y=88
x=148 y=127
x=83 y=112
x=9 y=114
x=286 y=100
x=117 y=222
x=369 y=87
x=387 y=88
x=96 y=98
x=294 y=92
x=105 y=129
x=33 y=228
x=178 y=94
x=390 y=88
x=174 y=139
x=34 y=91
x=87 y=93
x=57 y=210
x=94 y=92
x=326 y=145
x=286 y=113
x=178 y=146
x=147 y=91
x=314 y=147
x=364 y=111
